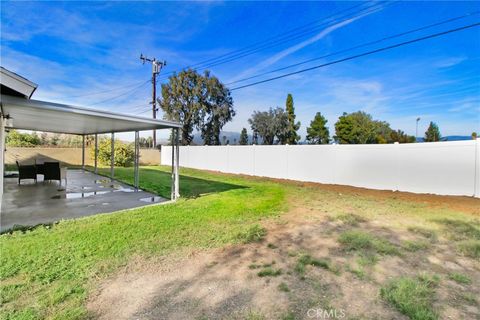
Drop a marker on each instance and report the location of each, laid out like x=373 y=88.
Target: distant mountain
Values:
x=449 y=138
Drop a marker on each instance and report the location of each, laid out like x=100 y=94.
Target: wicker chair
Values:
x=53 y=171
x=26 y=172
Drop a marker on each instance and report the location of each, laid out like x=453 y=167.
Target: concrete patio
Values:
x=86 y=194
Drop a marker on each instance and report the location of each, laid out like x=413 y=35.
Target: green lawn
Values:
x=46 y=273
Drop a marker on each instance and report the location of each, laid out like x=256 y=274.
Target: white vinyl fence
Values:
x=446 y=168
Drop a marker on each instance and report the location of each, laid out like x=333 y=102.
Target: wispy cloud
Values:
x=291 y=50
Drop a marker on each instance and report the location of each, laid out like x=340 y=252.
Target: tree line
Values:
x=201 y=102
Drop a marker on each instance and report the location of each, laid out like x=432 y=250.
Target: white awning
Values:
x=60 y=118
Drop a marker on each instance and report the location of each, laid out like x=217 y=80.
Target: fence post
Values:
x=476 y=185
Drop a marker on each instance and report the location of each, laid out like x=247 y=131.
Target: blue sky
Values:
x=76 y=49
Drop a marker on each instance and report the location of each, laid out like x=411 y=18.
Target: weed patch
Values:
x=459 y=278
x=283 y=287
x=352 y=220
x=470 y=248
x=269 y=272
x=361 y=241
x=253 y=234
x=415 y=245
x=426 y=233
x=307 y=260
x=461 y=230
x=412 y=296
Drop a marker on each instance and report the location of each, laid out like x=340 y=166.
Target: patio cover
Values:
x=18 y=111
x=61 y=118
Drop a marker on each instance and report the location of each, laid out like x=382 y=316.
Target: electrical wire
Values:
x=360 y=46
x=249 y=50
x=361 y=55
x=104 y=91
x=121 y=95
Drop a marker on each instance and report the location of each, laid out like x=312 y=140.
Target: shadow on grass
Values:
x=190 y=187
x=159 y=182
x=25 y=228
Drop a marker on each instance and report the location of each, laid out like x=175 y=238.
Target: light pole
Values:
x=416 y=130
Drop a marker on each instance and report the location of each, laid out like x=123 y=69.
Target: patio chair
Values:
x=53 y=171
x=26 y=172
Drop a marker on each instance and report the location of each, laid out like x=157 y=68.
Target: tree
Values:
x=359 y=128
x=401 y=137
x=19 y=139
x=197 y=101
x=269 y=125
x=355 y=128
x=292 y=137
x=243 y=137
x=474 y=135
x=318 y=132
x=433 y=133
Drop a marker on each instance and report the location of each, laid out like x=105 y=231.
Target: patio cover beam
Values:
x=53 y=117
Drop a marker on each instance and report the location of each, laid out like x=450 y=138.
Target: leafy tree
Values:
x=255 y=137
x=217 y=109
x=292 y=136
x=243 y=137
x=401 y=137
x=359 y=128
x=474 y=135
x=182 y=101
x=355 y=128
x=383 y=132
x=433 y=133
x=197 y=101
x=318 y=132
x=19 y=139
x=123 y=154
x=269 y=125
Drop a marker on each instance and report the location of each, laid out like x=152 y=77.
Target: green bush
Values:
x=19 y=139
x=124 y=153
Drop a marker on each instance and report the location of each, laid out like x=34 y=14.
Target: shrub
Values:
x=124 y=153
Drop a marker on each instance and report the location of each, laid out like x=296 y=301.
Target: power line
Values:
x=272 y=38
x=249 y=50
x=275 y=44
x=120 y=95
x=104 y=91
x=360 y=46
x=360 y=55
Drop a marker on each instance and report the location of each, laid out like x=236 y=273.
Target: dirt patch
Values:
x=224 y=283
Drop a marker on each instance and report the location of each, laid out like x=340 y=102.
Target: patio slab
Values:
x=86 y=194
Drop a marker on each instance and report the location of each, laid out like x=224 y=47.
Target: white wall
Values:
x=447 y=168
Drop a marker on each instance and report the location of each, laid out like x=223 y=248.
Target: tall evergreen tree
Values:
x=243 y=137
x=292 y=136
x=433 y=133
x=318 y=132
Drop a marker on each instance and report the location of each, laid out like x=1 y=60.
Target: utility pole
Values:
x=156 y=67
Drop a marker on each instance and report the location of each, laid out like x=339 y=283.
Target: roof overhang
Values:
x=15 y=84
x=60 y=118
